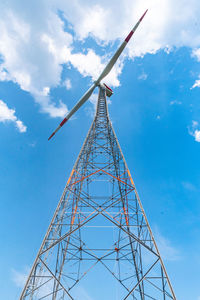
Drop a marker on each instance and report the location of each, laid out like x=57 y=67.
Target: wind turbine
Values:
x=99 y=223
x=104 y=73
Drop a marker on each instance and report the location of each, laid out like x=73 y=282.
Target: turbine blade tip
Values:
x=51 y=136
x=132 y=31
x=143 y=15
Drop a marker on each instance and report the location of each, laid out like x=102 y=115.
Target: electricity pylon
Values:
x=99 y=241
x=99 y=233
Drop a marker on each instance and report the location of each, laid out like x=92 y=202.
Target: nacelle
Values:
x=109 y=91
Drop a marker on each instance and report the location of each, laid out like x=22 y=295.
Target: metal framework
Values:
x=99 y=241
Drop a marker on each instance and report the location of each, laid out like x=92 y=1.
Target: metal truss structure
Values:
x=99 y=241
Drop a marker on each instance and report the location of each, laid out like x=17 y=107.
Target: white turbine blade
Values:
x=119 y=51
x=75 y=108
x=103 y=74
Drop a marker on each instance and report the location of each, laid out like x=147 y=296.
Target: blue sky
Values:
x=49 y=55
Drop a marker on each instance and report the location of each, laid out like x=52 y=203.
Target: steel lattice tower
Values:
x=99 y=239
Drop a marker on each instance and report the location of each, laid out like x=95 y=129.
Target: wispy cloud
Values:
x=67 y=84
x=143 y=76
x=195 y=131
x=82 y=293
x=175 y=102
x=168 y=252
x=19 y=278
x=90 y=110
x=196 y=53
x=197 y=135
x=33 y=144
x=196 y=84
x=189 y=186
x=8 y=115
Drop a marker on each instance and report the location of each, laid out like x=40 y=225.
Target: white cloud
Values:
x=46 y=91
x=34 y=49
x=82 y=293
x=194 y=131
x=175 y=102
x=197 y=135
x=33 y=144
x=167 y=251
x=93 y=99
x=194 y=123
x=67 y=83
x=20 y=278
x=21 y=127
x=143 y=76
x=189 y=186
x=46 y=106
x=91 y=64
x=166 y=25
x=196 y=84
x=196 y=54
x=8 y=115
x=90 y=110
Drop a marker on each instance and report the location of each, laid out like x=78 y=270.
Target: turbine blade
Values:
x=103 y=74
x=113 y=60
x=85 y=97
